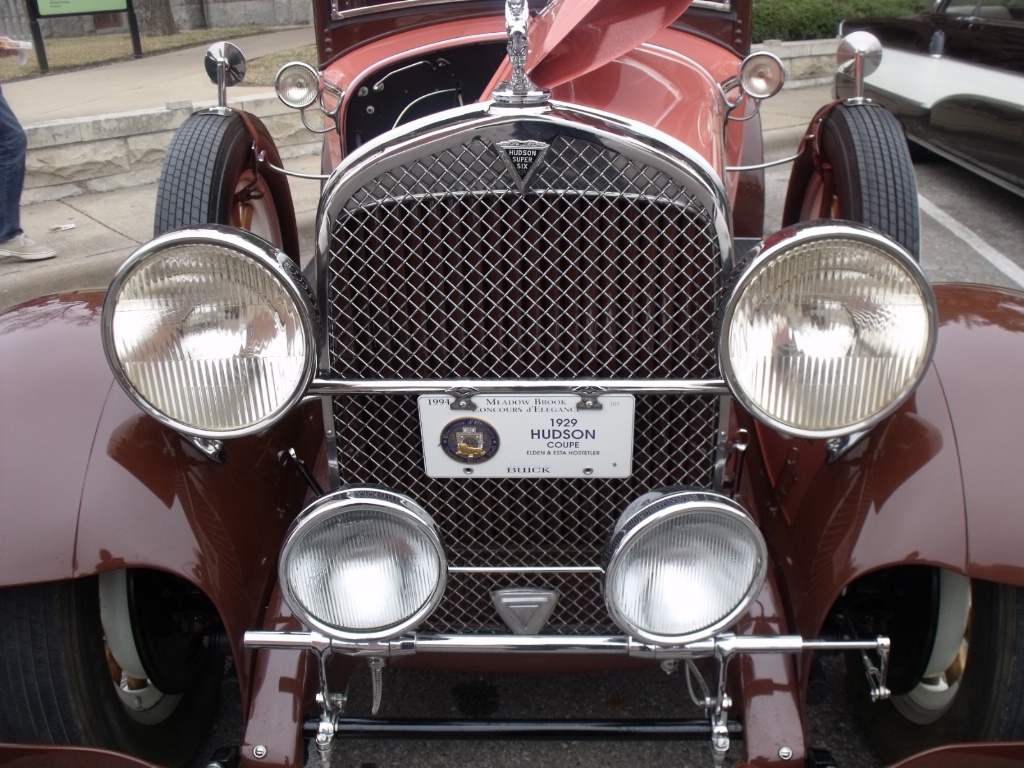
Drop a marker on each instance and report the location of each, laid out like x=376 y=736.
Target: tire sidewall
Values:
x=988 y=703
x=175 y=740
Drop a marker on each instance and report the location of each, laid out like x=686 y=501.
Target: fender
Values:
x=937 y=483
x=980 y=359
x=133 y=493
x=26 y=756
x=48 y=420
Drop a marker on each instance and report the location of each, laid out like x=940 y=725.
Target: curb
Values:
x=780 y=143
x=67 y=158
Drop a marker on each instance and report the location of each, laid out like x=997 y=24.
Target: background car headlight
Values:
x=682 y=565
x=211 y=331
x=363 y=564
x=827 y=330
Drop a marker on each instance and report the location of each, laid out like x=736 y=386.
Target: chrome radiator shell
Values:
x=601 y=257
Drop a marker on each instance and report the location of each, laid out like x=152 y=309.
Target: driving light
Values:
x=297 y=85
x=762 y=75
x=211 y=331
x=363 y=564
x=828 y=329
x=682 y=564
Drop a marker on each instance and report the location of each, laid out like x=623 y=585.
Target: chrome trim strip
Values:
x=723 y=646
x=471 y=387
x=339 y=15
x=525 y=569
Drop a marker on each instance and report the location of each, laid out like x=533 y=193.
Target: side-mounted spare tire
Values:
x=861 y=171
x=210 y=176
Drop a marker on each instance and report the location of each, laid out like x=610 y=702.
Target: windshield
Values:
x=345 y=9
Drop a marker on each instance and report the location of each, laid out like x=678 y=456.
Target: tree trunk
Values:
x=154 y=17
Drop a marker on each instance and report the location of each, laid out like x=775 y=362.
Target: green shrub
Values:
x=816 y=19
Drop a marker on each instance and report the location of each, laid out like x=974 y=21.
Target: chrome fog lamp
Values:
x=828 y=329
x=682 y=564
x=297 y=84
x=363 y=563
x=762 y=75
x=211 y=330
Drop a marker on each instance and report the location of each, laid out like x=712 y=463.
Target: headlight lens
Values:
x=363 y=564
x=762 y=74
x=211 y=331
x=828 y=329
x=682 y=565
x=297 y=85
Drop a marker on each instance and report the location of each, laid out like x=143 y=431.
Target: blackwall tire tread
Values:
x=183 y=192
x=56 y=684
x=197 y=181
x=36 y=700
x=866 y=151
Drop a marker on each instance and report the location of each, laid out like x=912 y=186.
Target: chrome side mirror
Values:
x=858 y=56
x=225 y=66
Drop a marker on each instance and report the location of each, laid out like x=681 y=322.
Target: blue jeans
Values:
x=12 y=170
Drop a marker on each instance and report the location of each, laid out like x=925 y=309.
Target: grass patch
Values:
x=263 y=70
x=67 y=53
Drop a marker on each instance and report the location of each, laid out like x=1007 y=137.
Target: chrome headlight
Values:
x=762 y=75
x=363 y=564
x=297 y=85
x=827 y=330
x=211 y=330
x=682 y=565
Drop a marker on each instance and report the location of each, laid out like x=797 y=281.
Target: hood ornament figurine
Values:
x=518 y=90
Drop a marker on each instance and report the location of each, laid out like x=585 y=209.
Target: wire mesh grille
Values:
x=601 y=267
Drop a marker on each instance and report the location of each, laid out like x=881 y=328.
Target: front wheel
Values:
x=860 y=170
x=210 y=176
x=70 y=677
x=970 y=685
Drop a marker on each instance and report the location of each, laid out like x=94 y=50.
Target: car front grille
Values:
x=449 y=266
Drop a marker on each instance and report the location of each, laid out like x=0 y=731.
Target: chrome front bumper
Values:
x=720 y=648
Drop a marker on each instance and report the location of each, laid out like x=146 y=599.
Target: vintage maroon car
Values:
x=547 y=397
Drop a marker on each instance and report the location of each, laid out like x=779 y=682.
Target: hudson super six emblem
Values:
x=521 y=157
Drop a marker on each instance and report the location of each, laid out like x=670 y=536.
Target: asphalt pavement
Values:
x=94 y=233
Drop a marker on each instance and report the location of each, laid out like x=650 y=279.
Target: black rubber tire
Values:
x=57 y=686
x=872 y=176
x=208 y=156
x=989 y=703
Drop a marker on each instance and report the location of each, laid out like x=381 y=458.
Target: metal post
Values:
x=37 y=36
x=133 y=27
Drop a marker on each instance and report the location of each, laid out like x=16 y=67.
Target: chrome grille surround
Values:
x=437 y=261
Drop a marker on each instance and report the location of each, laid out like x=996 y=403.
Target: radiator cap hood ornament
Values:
x=519 y=90
x=574 y=37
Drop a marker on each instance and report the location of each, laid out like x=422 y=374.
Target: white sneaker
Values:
x=25 y=248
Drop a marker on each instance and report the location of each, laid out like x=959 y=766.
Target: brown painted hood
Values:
x=570 y=38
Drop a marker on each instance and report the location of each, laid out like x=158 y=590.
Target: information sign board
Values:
x=79 y=7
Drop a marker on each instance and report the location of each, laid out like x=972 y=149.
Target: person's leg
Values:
x=13 y=144
x=12 y=170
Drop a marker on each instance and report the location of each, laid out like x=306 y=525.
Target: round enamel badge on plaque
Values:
x=469 y=441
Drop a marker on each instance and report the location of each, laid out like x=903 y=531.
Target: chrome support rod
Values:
x=470 y=387
x=724 y=645
x=262 y=158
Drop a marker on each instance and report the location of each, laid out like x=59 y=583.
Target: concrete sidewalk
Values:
x=103 y=113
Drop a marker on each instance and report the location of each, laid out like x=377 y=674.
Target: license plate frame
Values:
x=533 y=435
